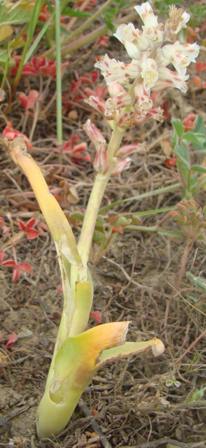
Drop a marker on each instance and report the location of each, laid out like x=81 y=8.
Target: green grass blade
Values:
x=58 y=72
x=36 y=42
x=30 y=32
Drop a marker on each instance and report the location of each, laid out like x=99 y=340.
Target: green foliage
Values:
x=198 y=13
x=112 y=12
x=196 y=281
x=196 y=395
x=71 y=12
x=17 y=14
x=189 y=148
x=163 y=6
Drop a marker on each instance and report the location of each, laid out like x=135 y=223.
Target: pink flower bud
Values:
x=94 y=134
x=100 y=163
x=96 y=137
x=96 y=103
x=121 y=165
x=128 y=150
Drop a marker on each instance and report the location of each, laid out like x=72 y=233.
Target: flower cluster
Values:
x=158 y=60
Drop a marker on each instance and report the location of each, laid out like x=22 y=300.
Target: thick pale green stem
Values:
x=95 y=199
x=71 y=371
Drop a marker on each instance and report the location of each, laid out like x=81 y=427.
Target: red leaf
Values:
x=118 y=229
x=15 y=276
x=97 y=316
x=170 y=163
x=9 y=263
x=24 y=267
x=200 y=66
x=32 y=234
x=12 y=338
x=10 y=133
x=28 y=101
x=189 y=121
x=27 y=227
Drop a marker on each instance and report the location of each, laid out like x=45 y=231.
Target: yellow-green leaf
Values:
x=131 y=348
x=5 y=32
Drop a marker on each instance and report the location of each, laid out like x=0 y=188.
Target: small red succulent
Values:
x=103 y=41
x=44 y=14
x=77 y=151
x=28 y=101
x=38 y=65
x=170 y=162
x=96 y=316
x=29 y=228
x=10 y=133
x=200 y=66
x=189 y=121
x=18 y=268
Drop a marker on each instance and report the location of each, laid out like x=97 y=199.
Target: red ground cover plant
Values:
x=10 y=133
x=18 y=268
x=29 y=228
x=38 y=65
x=28 y=102
x=76 y=149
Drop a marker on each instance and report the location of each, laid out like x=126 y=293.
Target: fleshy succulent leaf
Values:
x=131 y=348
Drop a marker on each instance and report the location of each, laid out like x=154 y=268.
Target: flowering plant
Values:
x=79 y=352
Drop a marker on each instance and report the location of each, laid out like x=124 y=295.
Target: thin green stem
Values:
x=95 y=199
x=58 y=72
x=87 y=23
x=139 y=197
x=37 y=41
x=152 y=229
x=152 y=212
x=30 y=32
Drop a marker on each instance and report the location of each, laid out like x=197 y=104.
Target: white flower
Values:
x=112 y=70
x=177 y=19
x=149 y=73
x=176 y=22
x=146 y=13
x=180 y=55
x=128 y=35
x=153 y=36
x=144 y=101
x=133 y=69
x=185 y=17
x=119 y=94
x=130 y=84
x=169 y=78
